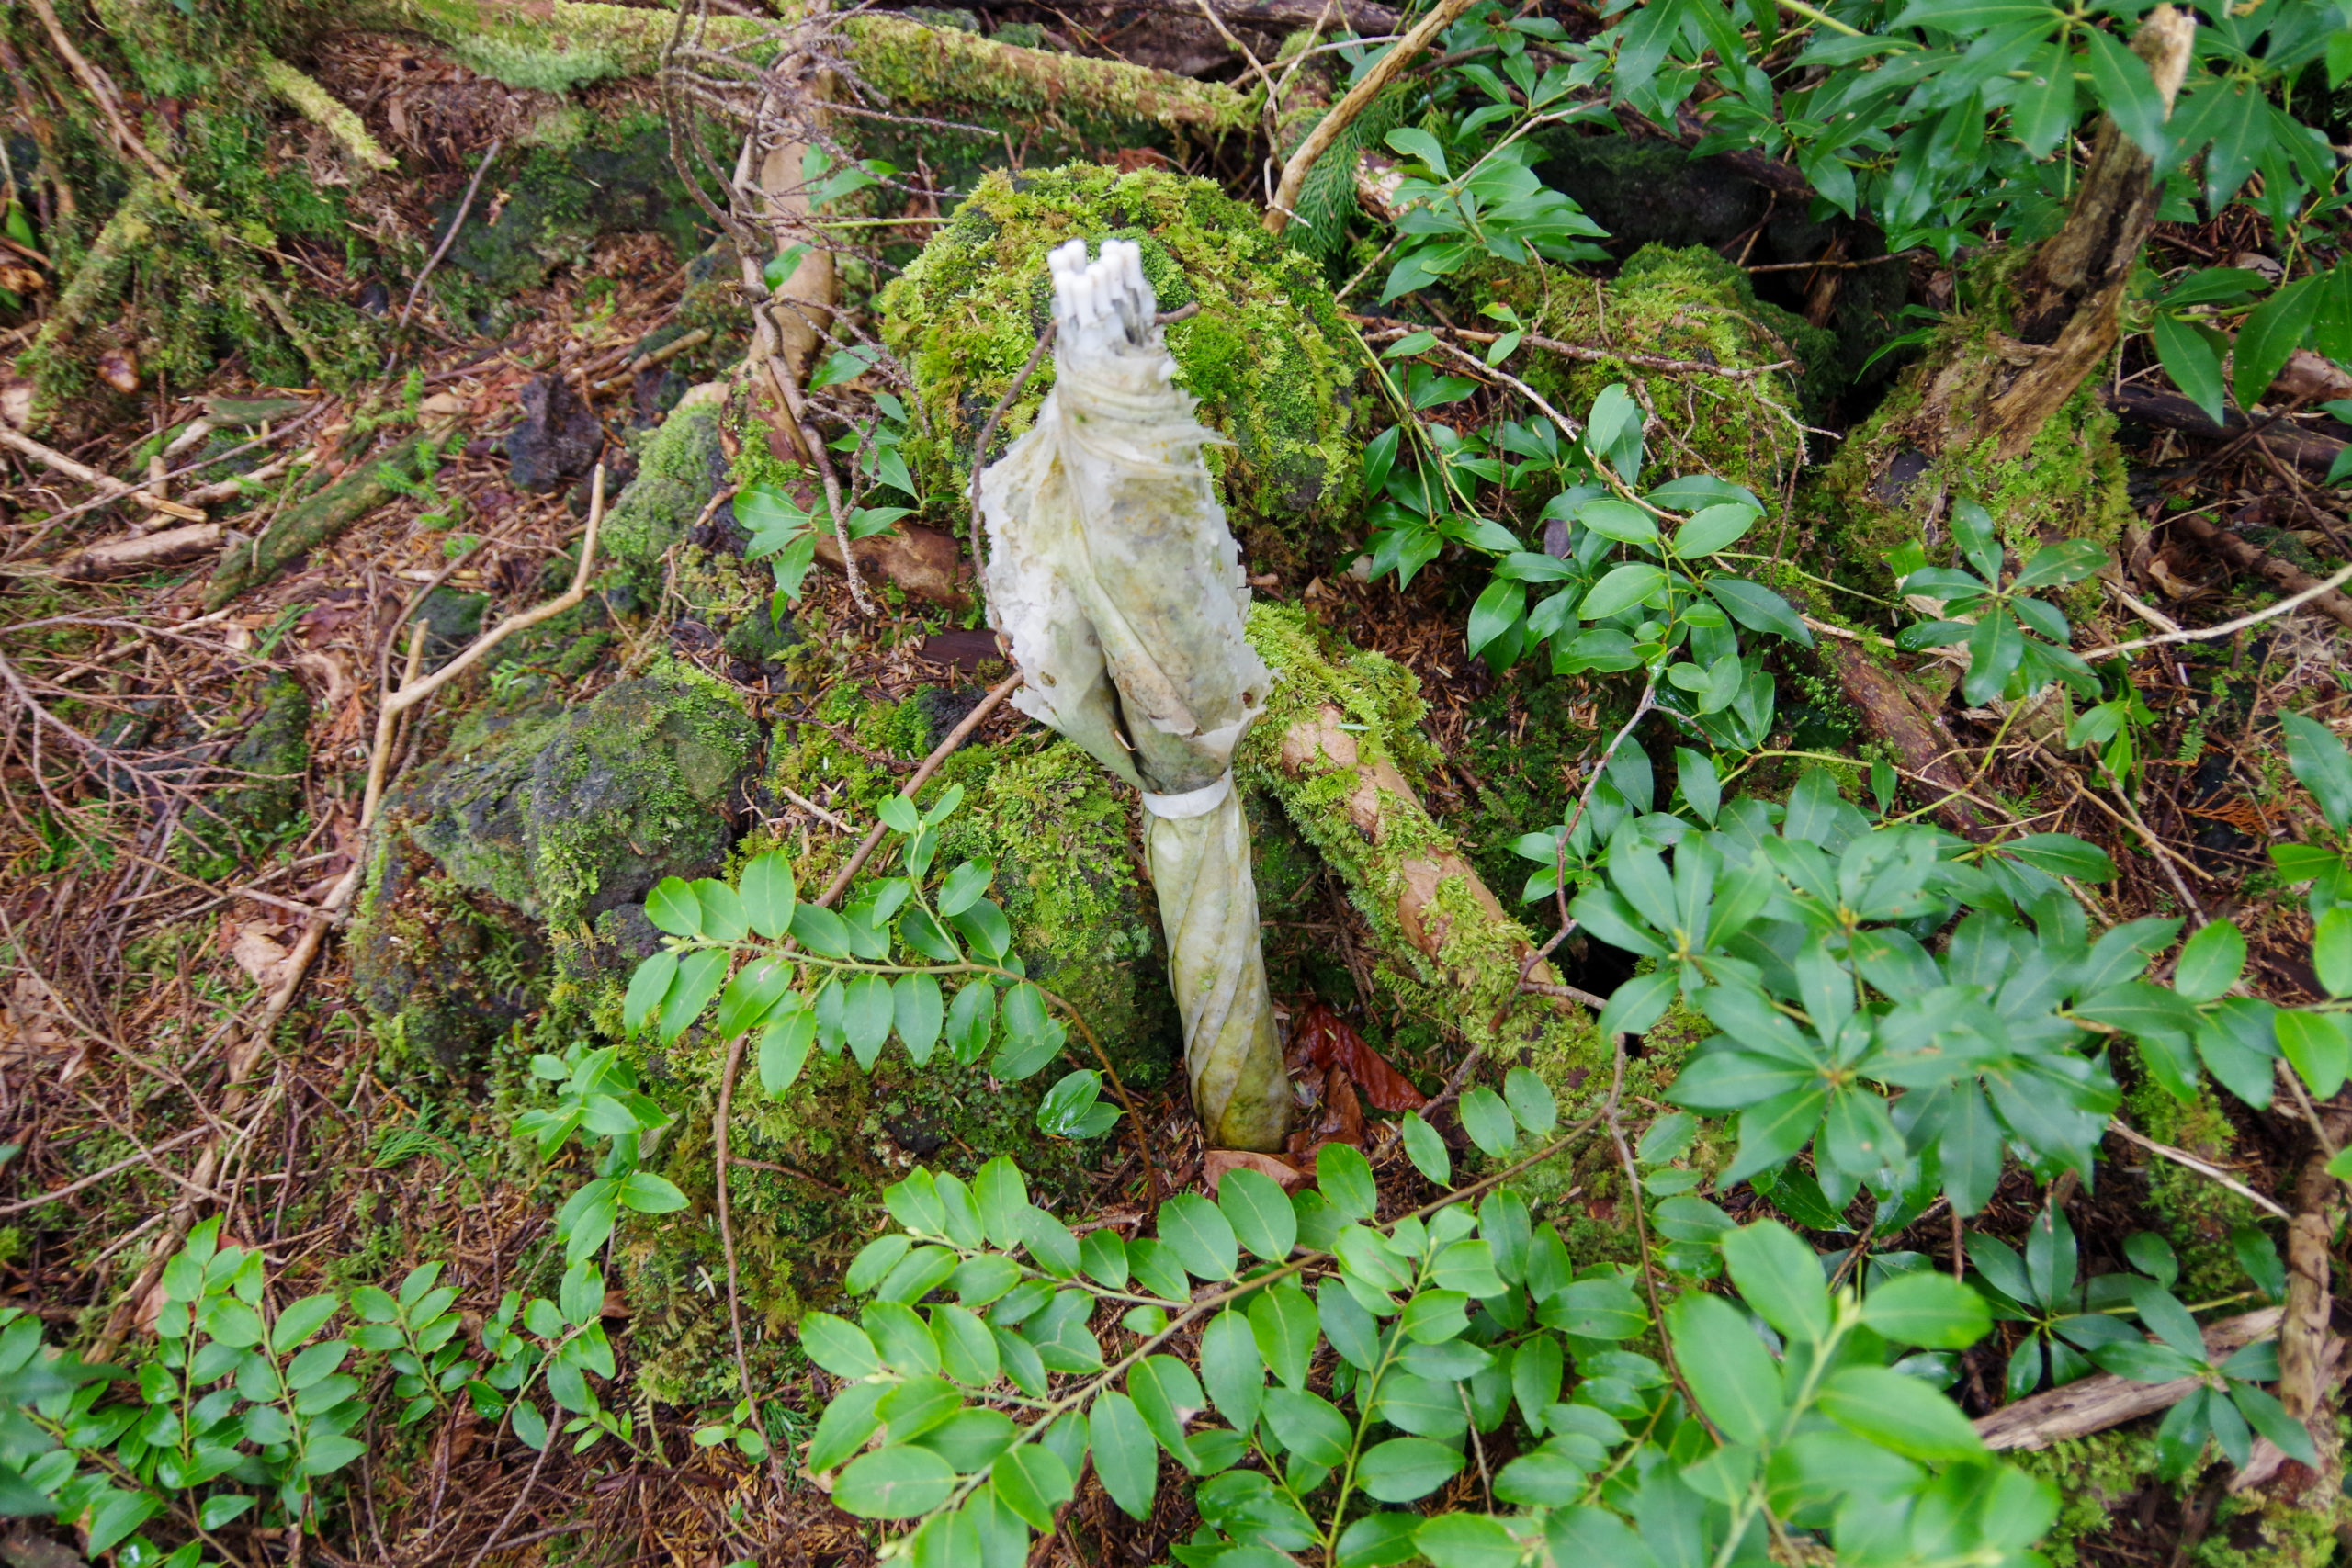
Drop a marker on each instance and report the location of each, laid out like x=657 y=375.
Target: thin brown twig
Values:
x=465 y=206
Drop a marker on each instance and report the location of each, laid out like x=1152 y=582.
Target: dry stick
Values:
x=795 y=408
x=722 y=1156
x=2183 y=1157
x=512 y=1513
x=2103 y=1400
x=1344 y=113
x=48 y=457
x=1384 y=326
x=98 y=1175
x=456 y=223
x=2207 y=634
x=413 y=689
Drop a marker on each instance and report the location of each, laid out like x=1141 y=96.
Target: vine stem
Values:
x=922 y=776
x=1054 y=1409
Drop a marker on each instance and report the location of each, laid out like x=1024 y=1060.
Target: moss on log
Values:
x=1341 y=730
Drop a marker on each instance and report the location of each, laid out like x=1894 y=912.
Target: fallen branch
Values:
x=322 y=109
x=413 y=688
x=141 y=552
x=1387 y=327
x=2168 y=410
x=48 y=457
x=1344 y=113
x=2103 y=1400
x=2245 y=556
x=311 y=524
x=465 y=206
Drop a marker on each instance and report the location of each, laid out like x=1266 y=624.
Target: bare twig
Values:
x=414 y=691
x=2189 y=1161
x=1343 y=114
x=48 y=457
x=465 y=206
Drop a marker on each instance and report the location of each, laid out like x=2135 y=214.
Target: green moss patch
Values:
x=1267 y=354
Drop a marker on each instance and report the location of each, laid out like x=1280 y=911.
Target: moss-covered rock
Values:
x=1677 y=304
x=272 y=755
x=564 y=818
x=680 y=465
x=444 y=974
x=1267 y=354
x=615 y=178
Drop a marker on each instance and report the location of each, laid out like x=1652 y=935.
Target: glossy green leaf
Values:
x=1125 y=1457
x=901 y=1483
x=1259 y=1211
x=1727 y=1368
x=1199 y=1236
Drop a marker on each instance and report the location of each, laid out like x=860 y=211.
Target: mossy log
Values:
x=315 y=522
x=565 y=44
x=1340 y=731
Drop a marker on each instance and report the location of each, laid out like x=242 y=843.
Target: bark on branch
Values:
x=2103 y=1400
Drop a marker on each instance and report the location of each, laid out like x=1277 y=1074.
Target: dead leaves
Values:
x=1330 y=1042
x=1328 y=1062
x=32 y=1033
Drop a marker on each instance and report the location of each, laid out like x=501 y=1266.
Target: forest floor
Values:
x=135 y=972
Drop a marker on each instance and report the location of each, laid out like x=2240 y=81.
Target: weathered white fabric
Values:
x=1113 y=575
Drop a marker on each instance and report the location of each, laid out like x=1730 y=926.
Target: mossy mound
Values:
x=274 y=752
x=564 y=818
x=1883 y=490
x=848 y=1133
x=1677 y=304
x=680 y=465
x=1935 y=440
x=1059 y=831
x=1267 y=354
x=445 y=973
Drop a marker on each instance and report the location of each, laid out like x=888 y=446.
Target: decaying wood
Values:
x=2245 y=556
x=2310 y=1359
x=1382 y=805
x=143 y=552
x=2307 y=449
x=2069 y=294
x=922 y=560
x=311 y=524
x=2103 y=1400
x=1896 y=714
x=2070 y=297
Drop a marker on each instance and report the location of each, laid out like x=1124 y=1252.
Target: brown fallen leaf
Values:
x=1330 y=1042
x=1214 y=1163
x=1339 y=1119
x=260 y=955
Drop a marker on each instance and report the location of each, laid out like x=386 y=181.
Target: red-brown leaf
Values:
x=1330 y=1042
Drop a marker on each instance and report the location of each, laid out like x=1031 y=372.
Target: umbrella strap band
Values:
x=1192 y=802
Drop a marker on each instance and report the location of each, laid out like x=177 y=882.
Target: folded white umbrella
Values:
x=1112 y=573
